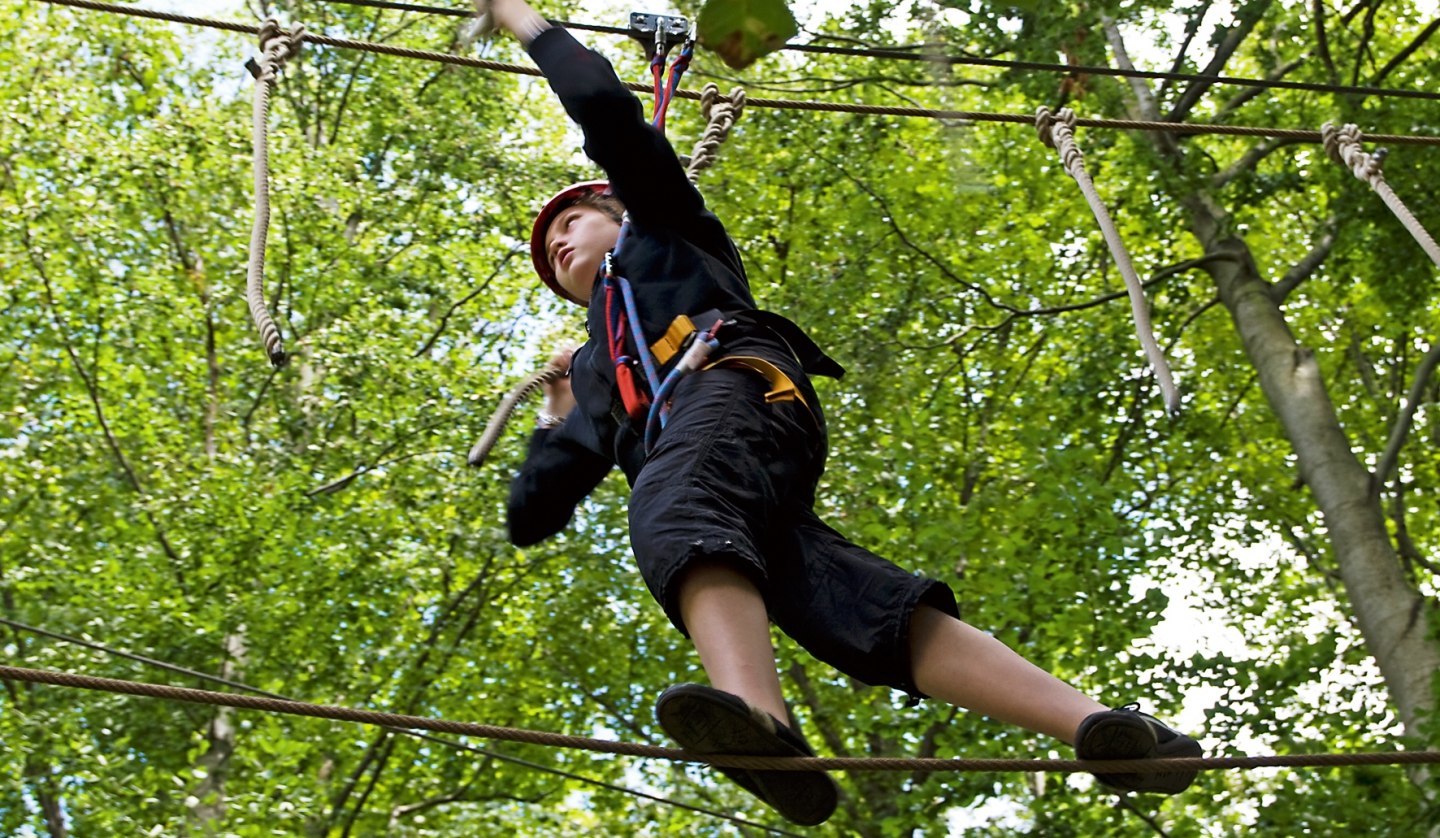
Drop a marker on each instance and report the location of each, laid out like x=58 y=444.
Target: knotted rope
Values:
x=276 y=45
x=1343 y=146
x=608 y=746
x=720 y=114
x=507 y=408
x=1058 y=132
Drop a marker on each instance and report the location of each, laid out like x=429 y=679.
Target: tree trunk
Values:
x=208 y=814
x=1390 y=612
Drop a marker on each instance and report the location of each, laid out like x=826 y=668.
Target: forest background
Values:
x=1260 y=567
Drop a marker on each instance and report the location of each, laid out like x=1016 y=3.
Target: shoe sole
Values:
x=708 y=721
x=1129 y=736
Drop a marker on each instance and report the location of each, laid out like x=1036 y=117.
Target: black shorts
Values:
x=733 y=478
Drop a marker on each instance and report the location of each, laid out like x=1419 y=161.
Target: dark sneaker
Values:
x=1126 y=733
x=704 y=720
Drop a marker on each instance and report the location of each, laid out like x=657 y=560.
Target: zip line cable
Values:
x=621 y=748
x=779 y=104
x=914 y=54
x=461 y=746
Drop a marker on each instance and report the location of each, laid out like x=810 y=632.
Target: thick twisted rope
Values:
x=559 y=740
x=720 y=114
x=276 y=45
x=1058 y=132
x=507 y=409
x=1343 y=146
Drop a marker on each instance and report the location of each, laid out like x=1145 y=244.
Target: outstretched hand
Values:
x=515 y=17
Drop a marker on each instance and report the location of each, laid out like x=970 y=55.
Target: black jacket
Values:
x=677 y=258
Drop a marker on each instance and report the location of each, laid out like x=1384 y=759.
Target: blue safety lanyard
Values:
x=621 y=313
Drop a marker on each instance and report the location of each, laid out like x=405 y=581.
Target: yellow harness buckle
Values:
x=782 y=389
x=680 y=330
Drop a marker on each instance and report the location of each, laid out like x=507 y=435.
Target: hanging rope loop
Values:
x=1343 y=146
x=277 y=45
x=507 y=408
x=721 y=113
x=1058 y=132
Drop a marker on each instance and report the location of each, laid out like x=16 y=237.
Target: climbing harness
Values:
x=276 y=46
x=644 y=395
x=648 y=400
x=1343 y=146
x=1058 y=132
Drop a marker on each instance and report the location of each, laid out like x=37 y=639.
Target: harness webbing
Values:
x=642 y=399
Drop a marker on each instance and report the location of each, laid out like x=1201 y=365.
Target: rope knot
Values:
x=720 y=114
x=1044 y=121
x=1058 y=132
x=277 y=45
x=1343 y=146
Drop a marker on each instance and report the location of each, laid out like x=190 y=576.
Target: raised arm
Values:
x=643 y=168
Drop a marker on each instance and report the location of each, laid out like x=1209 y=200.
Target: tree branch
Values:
x=1234 y=37
x=1307 y=266
x=1398 y=434
x=1368 y=34
x=455 y=306
x=1145 y=106
x=379 y=459
x=350 y=82
x=92 y=390
x=890 y=217
x=1249 y=160
x=1244 y=96
x=1322 y=43
x=1192 y=27
x=1401 y=56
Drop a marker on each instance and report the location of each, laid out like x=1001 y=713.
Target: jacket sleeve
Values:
x=644 y=172
x=558 y=473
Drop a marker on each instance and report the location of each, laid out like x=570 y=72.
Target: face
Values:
x=575 y=247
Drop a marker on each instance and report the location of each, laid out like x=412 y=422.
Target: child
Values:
x=721 y=517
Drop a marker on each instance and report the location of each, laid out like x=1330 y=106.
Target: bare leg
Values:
x=961 y=665
x=727 y=620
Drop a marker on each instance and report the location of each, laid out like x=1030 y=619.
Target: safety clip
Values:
x=658 y=32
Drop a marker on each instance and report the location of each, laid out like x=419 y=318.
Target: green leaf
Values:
x=743 y=31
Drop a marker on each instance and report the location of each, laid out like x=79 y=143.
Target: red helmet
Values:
x=552 y=208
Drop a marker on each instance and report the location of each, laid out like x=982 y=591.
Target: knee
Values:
x=709 y=575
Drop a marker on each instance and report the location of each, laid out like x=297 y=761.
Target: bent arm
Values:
x=558 y=473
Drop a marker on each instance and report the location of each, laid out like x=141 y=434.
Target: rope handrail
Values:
x=1343 y=146
x=276 y=46
x=1299 y=135
x=1058 y=132
x=620 y=748
x=924 y=53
